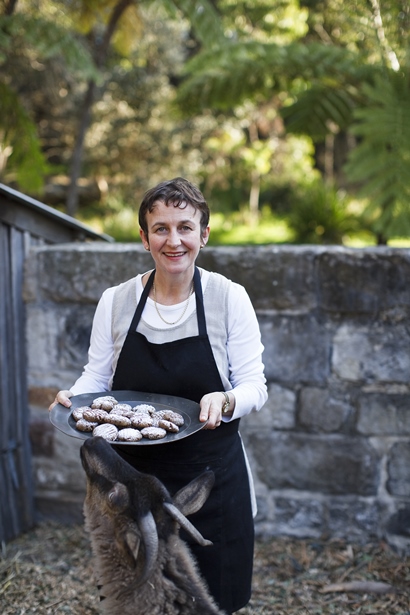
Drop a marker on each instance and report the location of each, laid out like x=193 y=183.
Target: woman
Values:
x=184 y=331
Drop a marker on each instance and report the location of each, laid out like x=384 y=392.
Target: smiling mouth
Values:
x=174 y=254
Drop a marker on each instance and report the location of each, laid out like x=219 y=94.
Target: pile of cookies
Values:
x=121 y=422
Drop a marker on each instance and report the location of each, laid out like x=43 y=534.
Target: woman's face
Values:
x=174 y=237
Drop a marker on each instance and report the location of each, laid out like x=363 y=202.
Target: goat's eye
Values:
x=115 y=497
x=118 y=497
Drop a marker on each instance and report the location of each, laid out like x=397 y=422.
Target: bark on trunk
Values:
x=100 y=57
x=9 y=7
x=85 y=119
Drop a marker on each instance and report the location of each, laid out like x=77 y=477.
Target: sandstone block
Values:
x=398 y=468
x=353 y=518
x=383 y=414
x=319 y=411
x=275 y=278
x=300 y=517
x=58 y=343
x=80 y=273
x=332 y=465
x=297 y=348
x=375 y=353
x=277 y=413
x=365 y=281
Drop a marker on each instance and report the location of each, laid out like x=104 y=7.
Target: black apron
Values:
x=187 y=368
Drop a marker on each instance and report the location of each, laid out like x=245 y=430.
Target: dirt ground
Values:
x=49 y=571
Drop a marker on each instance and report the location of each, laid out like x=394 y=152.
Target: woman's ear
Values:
x=144 y=239
x=205 y=236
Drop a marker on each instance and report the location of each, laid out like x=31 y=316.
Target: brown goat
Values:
x=143 y=566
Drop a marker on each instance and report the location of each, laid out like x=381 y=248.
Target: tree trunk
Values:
x=85 y=119
x=100 y=57
x=381 y=239
x=255 y=181
x=254 y=198
x=329 y=158
x=9 y=7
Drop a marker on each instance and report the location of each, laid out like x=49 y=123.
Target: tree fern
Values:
x=381 y=161
x=315 y=108
x=47 y=39
x=226 y=76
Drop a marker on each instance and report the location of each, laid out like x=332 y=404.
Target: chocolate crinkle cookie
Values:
x=129 y=435
x=117 y=419
x=95 y=414
x=144 y=408
x=171 y=415
x=106 y=402
x=153 y=433
x=107 y=431
x=77 y=413
x=85 y=426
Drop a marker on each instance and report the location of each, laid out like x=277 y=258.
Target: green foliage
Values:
x=225 y=77
x=282 y=20
x=381 y=161
x=47 y=39
x=319 y=215
x=19 y=144
x=202 y=17
x=317 y=109
x=34 y=40
x=235 y=229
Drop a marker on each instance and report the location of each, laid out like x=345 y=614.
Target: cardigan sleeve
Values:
x=98 y=371
x=245 y=348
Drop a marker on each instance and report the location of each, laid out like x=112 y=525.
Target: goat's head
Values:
x=136 y=507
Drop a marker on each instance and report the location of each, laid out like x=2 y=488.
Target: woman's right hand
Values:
x=63 y=398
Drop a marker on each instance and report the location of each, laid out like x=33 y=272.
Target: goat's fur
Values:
x=139 y=575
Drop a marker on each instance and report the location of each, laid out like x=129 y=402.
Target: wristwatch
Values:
x=225 y=407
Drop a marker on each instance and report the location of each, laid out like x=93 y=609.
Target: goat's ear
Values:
x=128 y=545
x=191 y=498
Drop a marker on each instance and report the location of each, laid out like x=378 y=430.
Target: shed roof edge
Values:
x=50 y=212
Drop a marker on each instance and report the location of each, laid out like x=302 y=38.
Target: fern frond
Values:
x=48 y=39
x=381 y=162
x=203 y=18
x=226 y=76
x=315 y=108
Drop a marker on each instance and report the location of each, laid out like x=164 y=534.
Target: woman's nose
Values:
x=174 y=238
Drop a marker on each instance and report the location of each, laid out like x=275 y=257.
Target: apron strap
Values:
x=200 y=312
x=141 y=304
x=198 y=298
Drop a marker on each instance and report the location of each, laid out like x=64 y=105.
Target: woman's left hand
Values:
x=211 y=409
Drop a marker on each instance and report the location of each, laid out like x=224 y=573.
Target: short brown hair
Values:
x=178 y=192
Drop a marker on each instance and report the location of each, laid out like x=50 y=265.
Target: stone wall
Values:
x=330 y=451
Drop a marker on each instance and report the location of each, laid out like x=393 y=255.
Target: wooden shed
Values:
x=24 y=223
